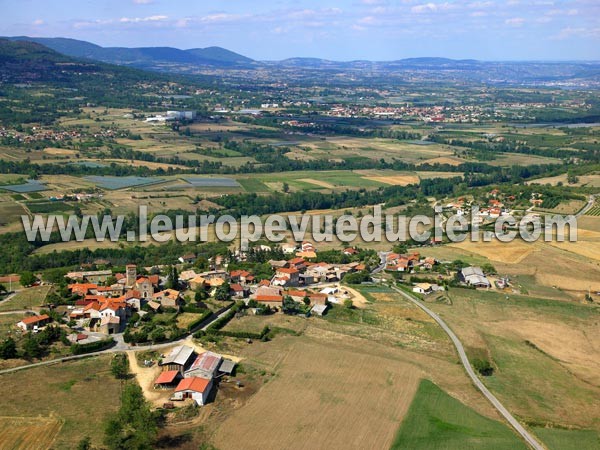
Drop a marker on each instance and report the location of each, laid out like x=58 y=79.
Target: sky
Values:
x=375 y=30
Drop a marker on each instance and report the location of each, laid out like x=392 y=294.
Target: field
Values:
x=26 y=299
x=324 y=398
x=114 y=183
x=29 y=186
x=79 y=394
x=549 y=343
x=25 y=433
x=436 y=420
x=558 y=439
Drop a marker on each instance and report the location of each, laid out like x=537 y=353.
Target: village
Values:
x=163 y=307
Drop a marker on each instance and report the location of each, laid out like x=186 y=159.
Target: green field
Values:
x=559 y=439
x=26 y=298
x=438 y=421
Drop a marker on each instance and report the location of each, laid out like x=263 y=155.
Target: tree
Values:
x=32 y=348
x=289 y=306
x=8 y=349
x=85 y=444
x=222 y=292
x=286 y=188
x=27 y=278
x=173 y=278
x=3 y=289
x=119 y=367
x=134 y=426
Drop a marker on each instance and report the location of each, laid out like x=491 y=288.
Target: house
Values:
x=350 y=251
x=473 y=276
x=169 y=298
x=236 y=290
x=187 y=259
x=204 y=366
x=109 y=325
x=34 y=322
x=422 y=288
x=288 y=249
x=309 y=254
x=269 y=300
x=198 y=389
x=291 y=274
x=179 y=359
x=187 y=275
x=167 y=379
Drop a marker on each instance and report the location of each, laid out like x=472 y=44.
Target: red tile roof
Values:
x=195 y=384
x=269 y=298
x=35 y=319
x=166 y=377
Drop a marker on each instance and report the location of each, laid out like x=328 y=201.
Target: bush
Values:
x=80 y=349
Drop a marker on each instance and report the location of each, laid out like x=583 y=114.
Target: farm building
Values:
x=167 y=379
x=29 y=323
x=474 y=276
x=195 y=388
x=319 y=310
x=179 y=359
x=205 y=366
x=227 y=366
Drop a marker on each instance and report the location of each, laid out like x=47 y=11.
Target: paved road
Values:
x=587 y=207
x=465 y=362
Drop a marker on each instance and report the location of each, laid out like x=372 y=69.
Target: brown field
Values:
x=509 y=253
x=398 y=180
x=78 y=393
x=590 y=180
x=25 y=433
x=320 y=183
x=324 y=398
x=59 y=151
x=451 y=160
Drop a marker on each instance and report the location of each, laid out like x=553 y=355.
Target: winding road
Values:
x=469 y=369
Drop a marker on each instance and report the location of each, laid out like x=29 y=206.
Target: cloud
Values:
x=430 y=7
x=515 y=22
x=580 y=32
x=143 y=2
x=38 y=22
x=143 y=19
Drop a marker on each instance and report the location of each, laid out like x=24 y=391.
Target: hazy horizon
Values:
x=374 y=30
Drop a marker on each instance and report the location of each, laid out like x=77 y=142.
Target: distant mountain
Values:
x=24 y=61
x=220 y=54
x=142 y=57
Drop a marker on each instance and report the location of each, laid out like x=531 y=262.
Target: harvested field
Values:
x=510 y=253
x=398 y=180
x=25 y=433
x=324 y=398
x=450 y=160
x=320 y=183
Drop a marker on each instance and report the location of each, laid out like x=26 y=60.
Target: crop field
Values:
x=79 y=394
x=436 y=420
x=28 y=186
x=211 y=182
x=324 y=398
x=25 y=433
x=114 y=183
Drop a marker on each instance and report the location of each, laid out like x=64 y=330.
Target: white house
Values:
x=195 y=388
x=422 y=288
